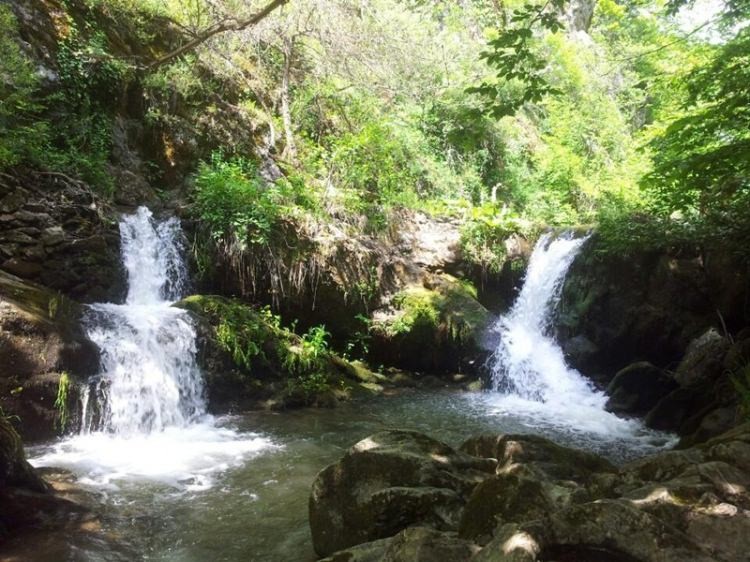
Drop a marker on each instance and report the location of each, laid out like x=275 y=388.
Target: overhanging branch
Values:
x=216 y=29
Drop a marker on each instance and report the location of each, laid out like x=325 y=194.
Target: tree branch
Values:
x=215 y=29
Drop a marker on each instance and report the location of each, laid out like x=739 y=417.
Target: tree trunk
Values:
x=290 y=150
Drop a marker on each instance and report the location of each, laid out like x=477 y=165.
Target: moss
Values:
x=434 y=327
x=448 y=306
x=62 y=402
x=249 y=335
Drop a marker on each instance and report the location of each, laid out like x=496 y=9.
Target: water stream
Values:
x=176 y=484
x=144 y=415
x=530 y=376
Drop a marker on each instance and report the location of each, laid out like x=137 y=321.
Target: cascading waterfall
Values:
x=149 y=379
x=528 y=362
x=530 y=377
x=144 y=415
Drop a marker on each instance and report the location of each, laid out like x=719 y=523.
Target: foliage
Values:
x=484 y=233
x=232 y=198
x=62 y=401
x=358 y=345
x=702 y=159
x=22 y=135
x=258 y=344
x=513 y=56
x=308 y=360
x=245 y=332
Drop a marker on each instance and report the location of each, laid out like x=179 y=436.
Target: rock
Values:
x=646 y=306
x=610 y=530
x=580 y=350
x=388 y=482
x=40 y=338
x=14 y=470
x=712 y=424
x=22 y=268
x=515 y=496
x=637 y=388
x=548 y=458
x=703 y=360
x=416 y=544
x=738 y=355
x=53 y=236
x=436 y=327
x=546 y=504
x=62 y=236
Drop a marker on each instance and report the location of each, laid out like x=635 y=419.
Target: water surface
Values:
x=256 y=509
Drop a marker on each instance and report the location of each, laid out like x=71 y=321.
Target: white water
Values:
x=144 y=415
x=530 y=376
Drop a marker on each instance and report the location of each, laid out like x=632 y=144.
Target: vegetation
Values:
x=62 y=404
x=261 y=348
x=512 y=116
x=447 y=310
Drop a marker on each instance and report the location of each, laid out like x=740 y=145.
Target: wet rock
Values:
x=435 y=327
x=417 y=544
x=647 y=306
x=703 y=360
x=40 y=339
x=548 y=458
x=388 y=482
x=637 y=388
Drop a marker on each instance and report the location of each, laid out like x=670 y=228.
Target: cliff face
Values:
x=647 y=306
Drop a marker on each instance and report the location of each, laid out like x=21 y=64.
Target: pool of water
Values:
x=254 y=506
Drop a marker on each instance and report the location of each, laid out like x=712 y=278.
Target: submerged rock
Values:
x=388 y=482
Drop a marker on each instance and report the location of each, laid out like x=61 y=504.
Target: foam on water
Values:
x=182 y=457
x=144 y=414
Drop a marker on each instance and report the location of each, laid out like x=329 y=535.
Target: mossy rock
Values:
x=249 y=359
x=435 y=327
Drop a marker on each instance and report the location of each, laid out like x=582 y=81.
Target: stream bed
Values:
x=256 y=509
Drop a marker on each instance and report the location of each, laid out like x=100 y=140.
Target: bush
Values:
x=484 y=233
x=232 y=198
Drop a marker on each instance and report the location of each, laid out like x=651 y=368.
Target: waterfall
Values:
x=144 y=415
x=528 y=362
x=149 y=379
x=530 y=378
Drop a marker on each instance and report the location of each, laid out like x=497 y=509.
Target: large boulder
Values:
x=436 y=326
x=43 y=350
x=547 y=502
x=704 y=404
x=534 y=476
x=645 y=306
x=611 y=530
x=637 y=388
x=388 y=482
x=703 y=360
x=544 y=456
